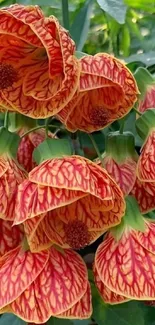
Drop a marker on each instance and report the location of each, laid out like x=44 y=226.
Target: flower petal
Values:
x=146 y=239
x=146 y=162
x=148 y=100
x=108 y=296
x=10 y=236
x=107 y=92
x=144 y=193
x=60 y=285
x=9 y=181
x=126 y=268
x=124 y=173
x=75 y=173
x=18 y=269
x=82 y=309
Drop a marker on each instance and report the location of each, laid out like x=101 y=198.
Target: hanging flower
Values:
x=50 y=283
x=11 y=173
x=10 y=237
x=144 y=193
x=149 y=99
x=120 y=159
x=38 y=71
x=107 y=92
x=27 y=145
x=73 y=200
x=146 y=162
x=125 y=262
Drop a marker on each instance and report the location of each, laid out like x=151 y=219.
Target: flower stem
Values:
x=136 y=110
x=65 y=13
x=41 y=127
x=122 y=126
x=6 y=119
x=96 y=148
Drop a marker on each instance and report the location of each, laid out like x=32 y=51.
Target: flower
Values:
x=146 y=162
x=11 y=175
x=149 y=99
x=10 y=237
x=38 y=71
x=120 y=159
x=27 y=145
x=36 y=286
x=106 y=93
x=72 y=201
x=124 y=268
x=144 y=193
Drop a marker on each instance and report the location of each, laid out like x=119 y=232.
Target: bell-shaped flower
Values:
x=39 y=73
x=106 y=93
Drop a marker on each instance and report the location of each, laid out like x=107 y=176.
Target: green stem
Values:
x=47 y=126
x=65 y=13
x=40 y=127
x=122 y=126
x=96 y=148
x=136 y=110
x=6 y=119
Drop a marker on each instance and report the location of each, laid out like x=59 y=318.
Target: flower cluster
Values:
x=55 y=202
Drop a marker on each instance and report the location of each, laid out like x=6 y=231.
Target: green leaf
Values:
x=146 y=5
x=146 y=58
x=129 y=313
x=144 y=79
x=80 y=27
x=61 y=321
x=115 y=8
x=10 y=319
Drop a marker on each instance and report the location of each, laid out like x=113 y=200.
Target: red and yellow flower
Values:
x=149 y=99
x=107 y=92
x=11 y=236
x=27 y=145
x=144 y=193
x=69 y=201
x=36 y=286
x=120 y=159
x=38 y=71
x=124 y=266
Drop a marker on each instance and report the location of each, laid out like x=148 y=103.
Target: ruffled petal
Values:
x=10 y=237
x=146 y=239
x=107 y=92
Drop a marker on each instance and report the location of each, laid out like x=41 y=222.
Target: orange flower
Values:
x=144 y=193
x=10 y=237
x=146 y=162
x=125 y=268
x=11 y=175
x=38 y=71
x=69 y=201
x=120 y=159
x=36 y=286
x=149 y=99
x=107 y=92
x=27 y=145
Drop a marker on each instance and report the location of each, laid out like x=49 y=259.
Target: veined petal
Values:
x=4 y=165
x=10 y=237
x=107 y=92
x=144 y=193
x=126 y=267
x=18 y=269
x=33 y=199
x=149 y=99
x=24 y=154
x=123 y=173
x=26 y=14
x=108 y=296
x=61 y=284
x=146 y=162
x=37 y=238
x=75 y=173
x=146 y=239
x=82 y=309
